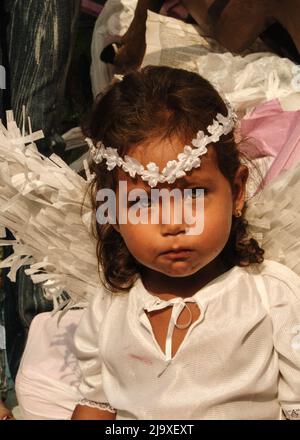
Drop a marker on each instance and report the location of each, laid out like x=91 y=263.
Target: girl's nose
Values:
x=172 y=229
x=172 y=223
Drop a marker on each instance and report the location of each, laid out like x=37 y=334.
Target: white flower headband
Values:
x=174 y=169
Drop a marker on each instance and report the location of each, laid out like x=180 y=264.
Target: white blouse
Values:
x=239 y=360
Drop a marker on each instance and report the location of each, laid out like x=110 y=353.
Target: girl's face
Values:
x=166 y=248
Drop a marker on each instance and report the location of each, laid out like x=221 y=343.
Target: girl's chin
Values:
x=179 y=269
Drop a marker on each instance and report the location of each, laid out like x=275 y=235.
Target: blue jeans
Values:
x=38 y=36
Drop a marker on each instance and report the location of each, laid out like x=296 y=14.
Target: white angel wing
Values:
x=43 y=204
x=274 y=218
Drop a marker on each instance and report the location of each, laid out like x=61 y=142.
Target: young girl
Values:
x=188 y=325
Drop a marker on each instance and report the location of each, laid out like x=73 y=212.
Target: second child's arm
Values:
x=83 y=412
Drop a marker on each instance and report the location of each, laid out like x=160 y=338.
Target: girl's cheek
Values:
x=218 y=224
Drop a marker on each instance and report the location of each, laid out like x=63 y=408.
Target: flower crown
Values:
x=174 y=169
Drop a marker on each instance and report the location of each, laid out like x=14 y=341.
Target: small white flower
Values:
x=187 y=149
x=173 y=170
x=132 y=166
x=222 y=119
x=169 y=168
x=216 y=130
x=112 y=158
x=199 y=140
x=213 y=127
x=176 y=175
x=199 y=151
x=152 y=167
x=151 y=174
x=152 y=181
x=192 y=162
x=216 y=136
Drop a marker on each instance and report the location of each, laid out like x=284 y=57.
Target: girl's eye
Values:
x=197 y=192
x=144 y=202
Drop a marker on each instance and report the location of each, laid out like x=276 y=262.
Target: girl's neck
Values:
x=167 y=287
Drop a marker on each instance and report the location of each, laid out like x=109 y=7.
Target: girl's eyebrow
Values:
x=195 y=180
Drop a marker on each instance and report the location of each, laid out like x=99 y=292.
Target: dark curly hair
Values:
x=160 y=102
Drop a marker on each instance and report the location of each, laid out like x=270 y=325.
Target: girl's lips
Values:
x=177 y=254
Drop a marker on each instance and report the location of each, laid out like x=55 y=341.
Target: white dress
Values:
x=239 y=360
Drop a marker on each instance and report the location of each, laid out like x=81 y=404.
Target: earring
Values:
x=238 y=213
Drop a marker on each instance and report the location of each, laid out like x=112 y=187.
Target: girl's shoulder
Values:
x=103 y=297
x=275 y=282
x=270 y=269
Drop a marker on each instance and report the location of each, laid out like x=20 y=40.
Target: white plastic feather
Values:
x=274 y=218
x=43 y=204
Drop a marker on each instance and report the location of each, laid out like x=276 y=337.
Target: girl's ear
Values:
x=239 y=188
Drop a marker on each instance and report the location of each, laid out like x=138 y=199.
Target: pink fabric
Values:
x=276 y=133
